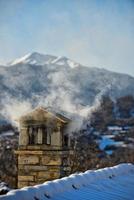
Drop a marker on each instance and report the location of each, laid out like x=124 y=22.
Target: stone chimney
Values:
x=44 y=151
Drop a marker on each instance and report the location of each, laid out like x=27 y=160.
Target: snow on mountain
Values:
x=65 y=61
x=41 y=59
x=38 y=79
x=33 y=58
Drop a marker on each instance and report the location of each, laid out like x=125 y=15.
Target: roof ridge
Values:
x=59 y=116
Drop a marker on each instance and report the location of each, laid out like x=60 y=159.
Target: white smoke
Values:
x=60 y=98
x=14 y=109
x=85 y=112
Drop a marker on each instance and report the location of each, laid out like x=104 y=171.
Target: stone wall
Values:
x=35 y=167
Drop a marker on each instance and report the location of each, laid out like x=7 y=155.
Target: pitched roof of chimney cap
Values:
x=58 y=116
x=55 y=114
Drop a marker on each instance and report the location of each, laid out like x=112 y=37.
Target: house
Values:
x=44 y=151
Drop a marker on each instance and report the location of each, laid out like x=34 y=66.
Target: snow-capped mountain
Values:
x=41 y=59
x=34 y=58
x=59 y=82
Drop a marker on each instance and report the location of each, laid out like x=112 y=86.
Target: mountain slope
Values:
x=58 y=82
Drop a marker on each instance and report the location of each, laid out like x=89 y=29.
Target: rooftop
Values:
x=41 y=113
x=113 y=183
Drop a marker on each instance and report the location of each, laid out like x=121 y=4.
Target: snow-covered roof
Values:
x=104 y=184
x=114 y=128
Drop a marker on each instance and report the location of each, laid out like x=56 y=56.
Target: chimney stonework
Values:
x=42 y=155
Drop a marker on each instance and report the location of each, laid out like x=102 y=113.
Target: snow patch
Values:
x=107 y=141
x=61 y=60
x=5 y=134
x=34 y=59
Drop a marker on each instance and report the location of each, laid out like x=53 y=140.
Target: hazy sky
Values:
x=92 y=32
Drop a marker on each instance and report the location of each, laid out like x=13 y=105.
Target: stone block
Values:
x=35 y=168
x=51 y=160
x=20 y=167
x=29 y=152
x=54 y=168
x=34 y=147
x=29 y=159
x=56 y=139
x=25 y=178
x=32 y=183
x=22 y=184
x=48 y=175
x=33 y=173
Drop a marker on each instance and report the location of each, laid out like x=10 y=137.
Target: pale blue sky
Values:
x=92 y=32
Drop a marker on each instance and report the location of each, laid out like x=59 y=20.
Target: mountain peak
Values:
x=36 y=58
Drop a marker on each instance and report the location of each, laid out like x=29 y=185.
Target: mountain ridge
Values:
x=46 y=80
x=53 y=60
x=42 y=59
